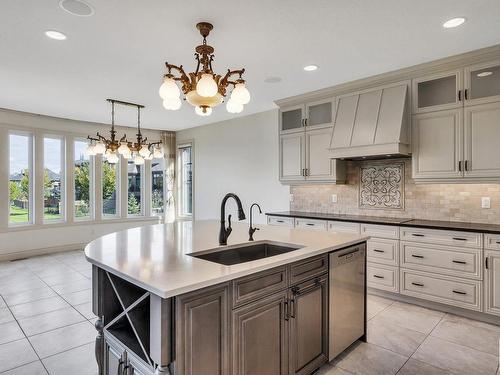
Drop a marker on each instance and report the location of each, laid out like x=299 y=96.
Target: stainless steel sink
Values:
x=245 y=253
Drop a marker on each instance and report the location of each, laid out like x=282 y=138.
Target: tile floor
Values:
x=46 y=327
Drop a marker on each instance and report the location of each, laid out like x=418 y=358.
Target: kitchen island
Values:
x=170 y=301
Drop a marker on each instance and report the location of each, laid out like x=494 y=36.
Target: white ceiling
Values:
x=119 y=52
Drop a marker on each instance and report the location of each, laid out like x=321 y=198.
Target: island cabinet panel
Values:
x=308 y=268
x=258 y=285
x=308 y=322
x=260 y=337
x=202 y=333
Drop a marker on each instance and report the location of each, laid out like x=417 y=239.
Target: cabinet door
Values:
x=114 y=362
x=437 y=145
x=202 y=332
x=292 y=119
x=308 y=326
x=319 y=164
x=260 y=337
x=482 y=141
x=438 y=92
x=492 y=281
x=320 y=113
x=482 y=83
x=292 y=157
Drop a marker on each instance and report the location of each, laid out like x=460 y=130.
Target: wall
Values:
x=239 y=156
x=450 y=202
x=39 y=238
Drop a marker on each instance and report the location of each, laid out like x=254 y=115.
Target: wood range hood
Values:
x=372 y=124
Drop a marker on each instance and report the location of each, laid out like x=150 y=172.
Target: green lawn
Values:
x=20 y=215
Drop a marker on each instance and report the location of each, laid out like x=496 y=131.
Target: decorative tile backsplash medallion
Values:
x=381 y=185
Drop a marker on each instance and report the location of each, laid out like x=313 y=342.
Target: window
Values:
x=53 y=179
x=20 y=178
x=110 y=188
x=134 y=173
x=185 y=180
x=83 y=182
x=157 y=187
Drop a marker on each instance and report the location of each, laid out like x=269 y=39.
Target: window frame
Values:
x=118 y=174
x=62 y=178
x=179 y=147
x=141 y=187
x=92 y=192
x=164 y=172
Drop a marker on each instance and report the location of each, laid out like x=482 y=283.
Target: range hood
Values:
x=372 y=124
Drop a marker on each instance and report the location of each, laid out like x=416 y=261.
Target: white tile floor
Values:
x=46 y=327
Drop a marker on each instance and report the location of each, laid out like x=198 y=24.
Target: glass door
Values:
x=320 y=113
x=482 y=83
x=292 y=119
x=438 y=92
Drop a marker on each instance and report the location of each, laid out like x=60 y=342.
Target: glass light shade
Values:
x=144 y=151
x=196 y=100
x=201 y=112
x=169 y=89
x=172 y=104
x=240 y=94
x=206 y=86
x=158 y=153
x=138 y=160
x=100 y=148
x=234 y=107
x=112 y=157
x=123 y=149
x=90 y=151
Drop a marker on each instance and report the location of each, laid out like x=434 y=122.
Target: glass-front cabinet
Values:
x=482 y=83
x=292 y=119
x=438 y=92
x=312 y=114
x=320 y=113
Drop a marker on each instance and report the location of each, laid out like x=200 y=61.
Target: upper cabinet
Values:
x=292 y=119
x=482 y=83
x=438 y=92
x=310 y=115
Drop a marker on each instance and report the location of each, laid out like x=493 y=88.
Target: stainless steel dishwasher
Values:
x=347 y=298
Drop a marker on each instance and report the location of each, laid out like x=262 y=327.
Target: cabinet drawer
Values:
x=310 y=224
x=384 y=251
x=344 y=227
x=442 y=237
x=252 y=287
x=492 y=241
x=280 y=221
x=444 y=289
x=383 y=231
x=446 y=260
x=382 y=277
x=304 y=270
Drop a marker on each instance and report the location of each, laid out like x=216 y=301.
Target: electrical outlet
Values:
x=291 y=197
x=485 y=202
x=334 y=198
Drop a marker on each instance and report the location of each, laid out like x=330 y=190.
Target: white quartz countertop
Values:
x=155 y=258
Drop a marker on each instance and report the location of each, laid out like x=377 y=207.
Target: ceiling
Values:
x=120 y=51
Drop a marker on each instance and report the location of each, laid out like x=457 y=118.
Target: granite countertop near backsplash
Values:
x=405 y=222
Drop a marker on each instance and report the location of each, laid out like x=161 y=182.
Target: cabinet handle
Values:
x=378 y=277
x=466 y=94
x=460 y=166
x=285 y=310
x=307 y=171
x=310 y=224
x=498 y=242
x=305 y=122
x=466 y=165
x=417 y=235
x=279 y=221
x=486 y=265
x=292 y=308
x=417 y=284
x=120 y=367
x=459 y=261
x=459 y=239
x=459 y=292
x=417 y=256
x=459 y=95
x=378 y=251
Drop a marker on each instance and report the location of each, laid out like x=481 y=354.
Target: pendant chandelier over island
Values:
x=204 y=89
x=138 y=150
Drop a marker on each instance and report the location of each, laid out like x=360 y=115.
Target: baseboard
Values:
x=483 y=317
x=42 y=251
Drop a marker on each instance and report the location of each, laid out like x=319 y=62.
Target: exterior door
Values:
x=437 y=145
x=308 y=326
x=260 y=337
x=438 y=92
x=318 y=162
x=292 y=119
x=292 y=157
x=482 y=141
x=482 y=83
x=492 y=281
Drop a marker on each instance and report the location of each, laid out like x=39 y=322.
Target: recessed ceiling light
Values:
x=484 y=74
x=273 y=80
x=454 y=22
x=57 y=35
x=310 y=68
x=76 y=7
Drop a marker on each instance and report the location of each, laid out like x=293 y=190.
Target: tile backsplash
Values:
x=450 y=202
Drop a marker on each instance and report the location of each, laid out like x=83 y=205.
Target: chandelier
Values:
x=138 y=150
x=202 y=88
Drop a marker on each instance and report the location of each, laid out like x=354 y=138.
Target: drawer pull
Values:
x=459 y=261
x=279 y=221
x=417 y=256
x=498 y=242
x=459 y=239
x=378 y=276
x=417 y=284
x=459 y=292
x=310 y=224
x=417 y=235
x=378 y=251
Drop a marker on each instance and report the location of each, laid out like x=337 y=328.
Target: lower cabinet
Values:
x=121 y=361
x=492 y=282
